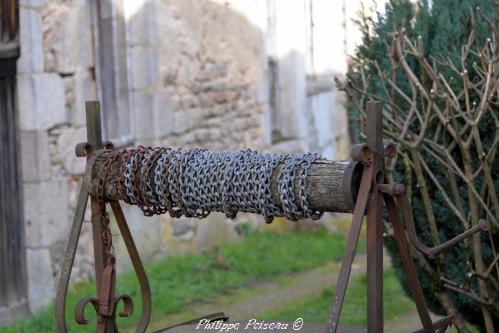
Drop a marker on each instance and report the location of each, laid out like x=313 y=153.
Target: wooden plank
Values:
x=9 y=21
x=12 y=257
x=12 y=232
x=20 y=276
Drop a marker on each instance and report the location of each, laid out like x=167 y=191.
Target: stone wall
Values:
x=198 y=76
x=53 y=82
x=197 y=80
x=201 y=70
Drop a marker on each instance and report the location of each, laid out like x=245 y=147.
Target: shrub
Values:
x=436 y=69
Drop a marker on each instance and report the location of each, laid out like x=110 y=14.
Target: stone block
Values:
x=32 y=3
x=41 y=282
x=142 y=23
x=31 y=42
x=143 y=115
x=186 y=120
x=35 y=158
x=66 y=143
x=163 y=114
x=78 y=89
x=46 y=212
x=290 y=146
x=65 y=37
x=83 y=269
x=217 y=229
x=144 y=67
x=322 y=130
x=182 y=226
x=153 y=117
x=291 y=97
x=41 y=101
x=216 y=70
x=146 y=232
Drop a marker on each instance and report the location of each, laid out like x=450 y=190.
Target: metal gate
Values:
x=12 y=264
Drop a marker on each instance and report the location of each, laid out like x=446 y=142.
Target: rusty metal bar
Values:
x=106 y=303
x=94 y=139
x=145 y=290
x=409 y=267
x=353 y=238
x=440 y=325
x=432 y=252
x=62 y=288
x=398 y=190
x=374 y=140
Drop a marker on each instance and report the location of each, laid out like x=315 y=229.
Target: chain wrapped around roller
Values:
x=196 y=182
x=106 y=295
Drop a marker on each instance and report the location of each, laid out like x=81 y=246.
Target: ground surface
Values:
x=265 y=277
x=260 y=298
x=271 y=300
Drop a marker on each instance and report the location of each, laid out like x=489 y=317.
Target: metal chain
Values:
x=173 y=184
x=267 y=206
x=287 y=187
x=125 y=156
x=196 y=182
x=128 y=175
x=305 y=166
x=151 y=194
x=106 y=296
x=161 y=182
x=101 y=199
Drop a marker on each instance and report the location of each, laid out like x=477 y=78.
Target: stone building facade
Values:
x=210 y=73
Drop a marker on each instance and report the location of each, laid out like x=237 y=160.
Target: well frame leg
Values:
x=375 y=220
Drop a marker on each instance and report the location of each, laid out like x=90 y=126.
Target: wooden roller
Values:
x=332 y=186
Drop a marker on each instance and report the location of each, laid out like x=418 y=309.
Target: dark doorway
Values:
x=12 y=264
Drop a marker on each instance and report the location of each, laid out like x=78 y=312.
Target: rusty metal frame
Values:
x=372 y=193
x=106 y=320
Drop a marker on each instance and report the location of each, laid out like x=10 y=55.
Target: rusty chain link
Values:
x=106 y=301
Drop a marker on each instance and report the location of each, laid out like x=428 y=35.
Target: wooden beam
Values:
x=332 y=185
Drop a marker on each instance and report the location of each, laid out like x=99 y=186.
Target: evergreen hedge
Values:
x=444 y=28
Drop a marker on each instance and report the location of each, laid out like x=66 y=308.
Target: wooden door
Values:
x=12 y=264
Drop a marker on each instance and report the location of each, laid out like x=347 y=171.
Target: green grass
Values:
x=316 y=309
x=177 y=281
